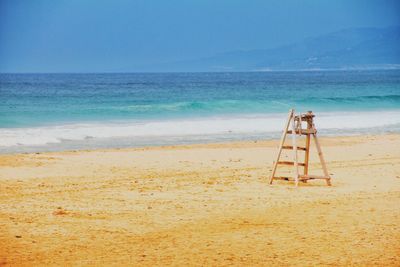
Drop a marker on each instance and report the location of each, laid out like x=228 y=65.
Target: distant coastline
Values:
x=384 y=67
x=348 y=49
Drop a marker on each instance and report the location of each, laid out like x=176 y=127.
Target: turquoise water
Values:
x=95 y=110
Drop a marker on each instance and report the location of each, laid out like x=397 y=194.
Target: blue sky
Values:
x=117 y=35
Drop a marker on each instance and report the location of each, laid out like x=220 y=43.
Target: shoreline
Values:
x=187 y=131
x=220 y=144
x=207 y=204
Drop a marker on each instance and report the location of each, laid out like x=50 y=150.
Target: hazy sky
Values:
x=116 y=35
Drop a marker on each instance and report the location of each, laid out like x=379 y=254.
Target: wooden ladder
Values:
x=295 y=122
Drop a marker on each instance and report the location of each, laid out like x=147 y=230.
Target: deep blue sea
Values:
x=42 y=112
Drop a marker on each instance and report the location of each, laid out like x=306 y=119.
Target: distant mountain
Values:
x=357 y=48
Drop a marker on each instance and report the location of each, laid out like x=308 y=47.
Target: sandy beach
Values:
x=201 y=205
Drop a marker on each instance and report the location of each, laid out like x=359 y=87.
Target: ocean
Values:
x=49 y=112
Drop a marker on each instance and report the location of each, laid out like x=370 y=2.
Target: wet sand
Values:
x=201 y=205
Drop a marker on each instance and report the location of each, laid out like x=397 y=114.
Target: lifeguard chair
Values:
x=295 y=123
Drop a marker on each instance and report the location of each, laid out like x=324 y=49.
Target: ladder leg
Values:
x=307 y=152
x=321 y=158
x=280 y=146
x=296 y=165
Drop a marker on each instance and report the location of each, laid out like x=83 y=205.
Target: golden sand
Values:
x=201 y=205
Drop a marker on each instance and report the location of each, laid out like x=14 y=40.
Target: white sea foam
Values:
x=260 y=125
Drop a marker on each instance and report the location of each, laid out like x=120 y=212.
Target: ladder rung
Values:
x=310 y=131
x=307 y=177
x=291 y=147
x=290 y=163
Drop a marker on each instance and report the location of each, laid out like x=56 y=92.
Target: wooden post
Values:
x=281 y=145
x=295 y=162
x=307 y=152
x=321 y=158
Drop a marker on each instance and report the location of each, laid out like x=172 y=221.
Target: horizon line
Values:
x=396 y=67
